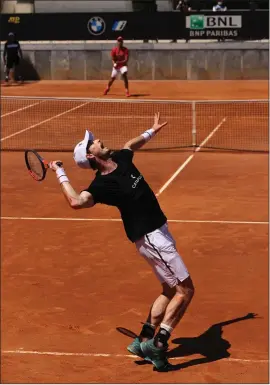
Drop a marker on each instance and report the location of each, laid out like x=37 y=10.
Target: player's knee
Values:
x=189 y=288
x=168 y=291
x=185 y=290
x=190 y=291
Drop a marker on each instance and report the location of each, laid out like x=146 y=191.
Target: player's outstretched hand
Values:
x=252 y=315
x=55 y=164
x=158 y=126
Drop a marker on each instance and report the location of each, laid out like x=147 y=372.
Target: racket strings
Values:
x=35 y=165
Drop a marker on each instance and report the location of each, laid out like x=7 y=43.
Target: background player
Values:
x=119 y=183
x=12 y=56
x=120 y=57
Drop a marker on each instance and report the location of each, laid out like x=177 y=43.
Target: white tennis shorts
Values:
x=121 y=71
x=159 y=250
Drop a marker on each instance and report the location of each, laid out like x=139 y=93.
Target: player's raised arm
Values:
x=139 y=141
x=75 y=200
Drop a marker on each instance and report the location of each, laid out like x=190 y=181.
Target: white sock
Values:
x=169 y=329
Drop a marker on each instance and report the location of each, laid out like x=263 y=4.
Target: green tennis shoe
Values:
x=157 y=356
x=135 y=348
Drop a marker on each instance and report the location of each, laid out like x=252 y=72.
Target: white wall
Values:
x=52 y=6
x=11 y=6
x=24 y=8
x=164 y=5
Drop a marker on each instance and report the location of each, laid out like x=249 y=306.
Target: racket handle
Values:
x=59 y=164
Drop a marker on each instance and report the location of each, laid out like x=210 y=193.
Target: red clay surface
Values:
x=67 y=285
x=183 y=90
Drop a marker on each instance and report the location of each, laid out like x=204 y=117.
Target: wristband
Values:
x=63 y=179
x=148 y=134
x=61 y=175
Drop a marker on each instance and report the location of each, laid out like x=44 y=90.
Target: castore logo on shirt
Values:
x=136 y=181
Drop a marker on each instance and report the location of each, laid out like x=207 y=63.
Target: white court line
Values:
x=183 y=165
x=210 y=135
x=21 y=109
x=120 y=220
x=43 y=121
x=34 y=352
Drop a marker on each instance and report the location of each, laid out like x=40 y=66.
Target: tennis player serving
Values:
x=119 y=183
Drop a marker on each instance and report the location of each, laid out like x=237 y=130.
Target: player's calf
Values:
x=156 y=348
x=109 y=86
x=175 y=311
x=12 y=75
x=157 y=312
x=125 y=78
x=7 y=75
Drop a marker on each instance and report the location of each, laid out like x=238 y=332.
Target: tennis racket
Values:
x=36 y=165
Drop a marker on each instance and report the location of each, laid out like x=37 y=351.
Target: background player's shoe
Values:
x=106 y=91
x=135 y=349
x=157 y=356
x=127 y=94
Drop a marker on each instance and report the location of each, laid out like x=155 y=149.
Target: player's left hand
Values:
x=55 y=164
x=158 y=126
x=252 y=315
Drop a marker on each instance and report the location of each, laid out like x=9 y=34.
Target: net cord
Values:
x=143 y=101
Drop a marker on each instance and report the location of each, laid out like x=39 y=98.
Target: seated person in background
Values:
x=219 y=7
x=182 y=6
x=252 y=5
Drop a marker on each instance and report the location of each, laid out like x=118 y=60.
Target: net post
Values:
x=194 y=131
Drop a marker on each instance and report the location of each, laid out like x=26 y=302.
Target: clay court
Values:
x=70 y=279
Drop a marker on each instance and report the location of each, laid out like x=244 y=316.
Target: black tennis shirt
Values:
x=127 y=189
x=12 y=49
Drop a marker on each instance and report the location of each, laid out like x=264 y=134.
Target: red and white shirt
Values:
x=120 y=55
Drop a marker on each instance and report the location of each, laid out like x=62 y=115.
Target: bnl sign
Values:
x=213 y=22
x=213 y=26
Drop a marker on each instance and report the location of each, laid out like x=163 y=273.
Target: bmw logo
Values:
x=96 y=25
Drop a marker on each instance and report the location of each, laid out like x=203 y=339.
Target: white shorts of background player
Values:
x=121 y=71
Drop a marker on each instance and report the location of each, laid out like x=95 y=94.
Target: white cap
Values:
x=79 y=154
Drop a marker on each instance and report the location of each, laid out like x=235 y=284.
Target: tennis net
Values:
x=57 y=124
